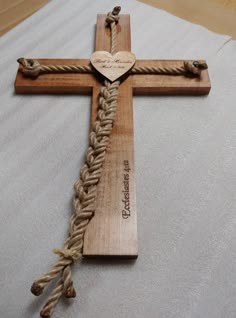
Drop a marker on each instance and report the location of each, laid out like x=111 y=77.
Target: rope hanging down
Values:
x=85 y=191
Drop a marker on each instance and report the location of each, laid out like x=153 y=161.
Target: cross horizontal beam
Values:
x=142 y=84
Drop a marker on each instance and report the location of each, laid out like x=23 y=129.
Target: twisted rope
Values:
x=189 y=67
x=32 y=68
x=85 y=195
x=111 y=20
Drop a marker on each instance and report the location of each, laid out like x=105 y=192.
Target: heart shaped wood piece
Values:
x=112 y=66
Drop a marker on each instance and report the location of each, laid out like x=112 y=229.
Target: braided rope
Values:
x=84 y=198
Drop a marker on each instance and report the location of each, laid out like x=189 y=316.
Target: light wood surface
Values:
x=113 y=230
x=216 y=15
x=12 y=12
x=112 y=66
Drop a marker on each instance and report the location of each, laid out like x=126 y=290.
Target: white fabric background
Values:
x=185 y=174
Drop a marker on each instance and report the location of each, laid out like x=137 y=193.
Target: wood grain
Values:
x=112 y=66
x=141 y=84
x=109 y=233
x=14 y=11
x=56 y=83
x=113 y=230
x=216 y=15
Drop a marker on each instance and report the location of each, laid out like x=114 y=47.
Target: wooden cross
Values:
x=113 y=229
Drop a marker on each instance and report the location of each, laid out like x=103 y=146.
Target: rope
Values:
x=112 y=19
x=32 y=68
x=85 y=193
x=90 y=173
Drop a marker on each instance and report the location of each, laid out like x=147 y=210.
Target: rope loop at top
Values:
x=113 y=16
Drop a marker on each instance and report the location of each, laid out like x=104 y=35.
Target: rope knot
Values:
x=30 y=67
x=68 y=253
x=113 y=16
x=195 y=67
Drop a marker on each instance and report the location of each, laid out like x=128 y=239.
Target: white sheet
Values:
x=185 y=173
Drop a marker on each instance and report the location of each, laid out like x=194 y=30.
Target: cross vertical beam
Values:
x=113 y=229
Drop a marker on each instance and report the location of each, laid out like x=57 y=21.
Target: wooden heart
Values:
x=112 y=66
